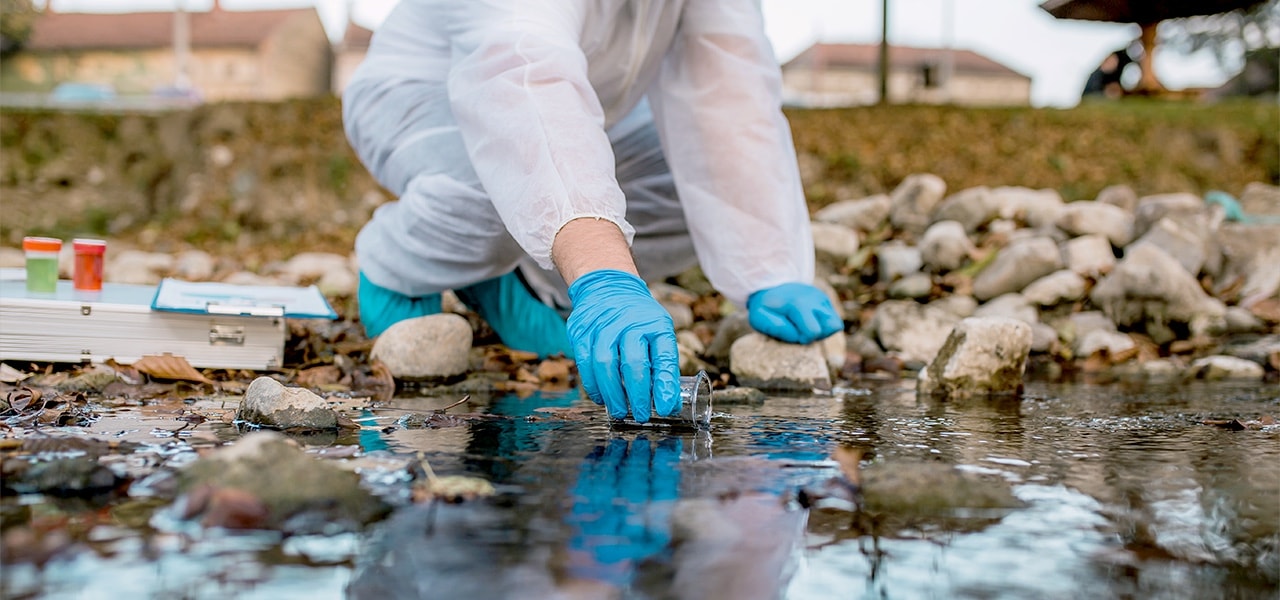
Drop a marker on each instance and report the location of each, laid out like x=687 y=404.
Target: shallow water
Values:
x=1123 y=492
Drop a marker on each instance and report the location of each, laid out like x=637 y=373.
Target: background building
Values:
x=220 y=54
x=848 y=74
x=348 y=55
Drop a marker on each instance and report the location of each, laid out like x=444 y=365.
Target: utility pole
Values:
x=884 y=51
x=181 y=46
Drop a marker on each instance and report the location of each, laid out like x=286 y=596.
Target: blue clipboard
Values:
x=213 y=298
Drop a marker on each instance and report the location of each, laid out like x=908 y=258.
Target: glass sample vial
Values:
x=42 y=263
x=695 y=406
x=88 y=267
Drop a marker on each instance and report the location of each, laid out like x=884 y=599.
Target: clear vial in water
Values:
x=695 y=406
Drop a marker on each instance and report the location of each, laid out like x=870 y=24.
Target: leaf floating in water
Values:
x=453 y=489
x=169 y=366
x=1242 y=424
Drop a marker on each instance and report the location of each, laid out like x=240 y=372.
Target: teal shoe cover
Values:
x=381 y=308
x=521 y=321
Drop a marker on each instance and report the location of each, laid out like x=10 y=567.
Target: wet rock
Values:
x=1160 y=368
x=1086 y=218
x=1121 y=196
x=1113 y=342
x=1016 y=266
x=1150 y=289
x=268 y=403
x=193 y=265
x=1055 y=288
x=727 y=547
x=78 y=476
x=137 y=267
x=914 y=199
x=767 y=364
x=1014 y=306
x=1090 y=255
x=945 y=246
x=895 y=259
x=1039 y=209
x=1002 y=228
x=970 y=208
x=982 y=356
x=265 y=481
x=914 y=331
x=1258 y=349
x=866 y=214
x=861 y=345
x=913 y=286
x=930 y=489
x=834 y=244
x=1224 y=367
x=1078 y=325
x=1153 y=208
x=429 y=348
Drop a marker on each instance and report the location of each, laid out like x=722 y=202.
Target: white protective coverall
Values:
x=496 y=122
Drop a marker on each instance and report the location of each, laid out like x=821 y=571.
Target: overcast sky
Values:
x=1057 y=55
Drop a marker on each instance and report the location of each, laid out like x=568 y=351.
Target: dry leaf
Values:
x=452 y=488
x=386 y=381
x=318 y=376
x=169 y=366
x=554 y=373
x=9 y=374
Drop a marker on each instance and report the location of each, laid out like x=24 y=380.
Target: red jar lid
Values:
x=41 y=244
x=84 y=246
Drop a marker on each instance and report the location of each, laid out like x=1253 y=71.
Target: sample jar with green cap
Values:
x=42 y=263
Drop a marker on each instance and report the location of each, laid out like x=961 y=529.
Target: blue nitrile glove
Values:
x=625 y=345
x=521 y=321
x=798 y=313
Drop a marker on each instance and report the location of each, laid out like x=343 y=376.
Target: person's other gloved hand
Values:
x=625 y=345
x=798 y=313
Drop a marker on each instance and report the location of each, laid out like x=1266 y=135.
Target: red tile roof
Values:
x=901 y=57
x=216 y=28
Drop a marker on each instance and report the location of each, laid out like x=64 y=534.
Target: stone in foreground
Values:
x=268 y=403
x=430 y=348
x=982 y=356
x=760 y=362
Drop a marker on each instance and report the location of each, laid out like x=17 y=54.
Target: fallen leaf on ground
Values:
x=9 y=374
x=319 y=376
x=169 y=366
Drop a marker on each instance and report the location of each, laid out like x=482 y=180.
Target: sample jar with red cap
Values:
x=87 y=276
x=42 y=263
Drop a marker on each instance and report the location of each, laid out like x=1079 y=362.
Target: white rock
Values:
x=764 y=363
x=1017 y=265
x=1012 y=305
x=269 y=403
x=913 y=201
x=1043 y=337
x=911 y=330
x=309 y=266
x=833 y=243
x=1121 y=195
x=12 y=258
x=1150 y=287
x=1087 y=217
x=1090 y=255
x=1176 y=241
x=339 y=282
x=681 y=314
x=247 y=278
x=1113 y=342
x=430 y=347
x=895 y=259
x=137 y=267
x=981 y=356
x=1055 y=288
x=1153 y=208
x=1225 y=367
x=945 y=246
x=193 y=265
x=915 y=286
x=971 y=208
x=866 y=214
x=1039 y=209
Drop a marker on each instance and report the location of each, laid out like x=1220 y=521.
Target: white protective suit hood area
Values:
x=494 y=123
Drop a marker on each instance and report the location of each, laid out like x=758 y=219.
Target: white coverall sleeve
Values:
x=531 y=123
x=718 y=107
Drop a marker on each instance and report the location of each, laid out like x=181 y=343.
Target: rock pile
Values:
x=1162 y=286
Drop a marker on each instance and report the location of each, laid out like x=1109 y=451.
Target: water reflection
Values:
x=1121 y=492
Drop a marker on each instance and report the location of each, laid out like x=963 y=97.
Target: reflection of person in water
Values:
x=1105 y=80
